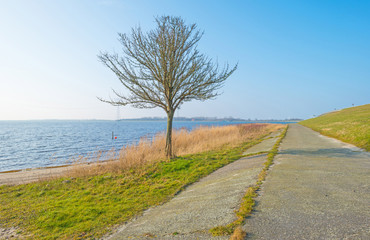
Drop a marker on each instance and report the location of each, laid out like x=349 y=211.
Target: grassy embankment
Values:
x=351 y=125
x=93 y=200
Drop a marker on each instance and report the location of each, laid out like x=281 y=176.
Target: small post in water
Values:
x=112 y=135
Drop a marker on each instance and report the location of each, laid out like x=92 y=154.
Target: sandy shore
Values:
x=32 y=175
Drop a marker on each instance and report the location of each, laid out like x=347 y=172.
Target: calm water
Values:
x=31 y=144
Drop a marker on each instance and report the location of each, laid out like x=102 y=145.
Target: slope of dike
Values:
x=351 y=125
x=317 y=189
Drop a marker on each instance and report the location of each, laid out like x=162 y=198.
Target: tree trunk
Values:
x=168 y=148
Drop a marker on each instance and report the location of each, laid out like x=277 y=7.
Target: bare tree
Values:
x=163 y=68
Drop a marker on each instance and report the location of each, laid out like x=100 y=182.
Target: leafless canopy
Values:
x=163 y=68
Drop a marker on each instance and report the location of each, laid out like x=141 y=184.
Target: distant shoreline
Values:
x=158 y=119
x=213 y=119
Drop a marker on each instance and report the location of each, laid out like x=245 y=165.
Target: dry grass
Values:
x=212 y=138
x=184 y=142
x=238 y=234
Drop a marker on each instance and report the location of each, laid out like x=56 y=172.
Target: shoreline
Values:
x=63 y=148
x=28 y=175
x=32 y=175
x=37 y=168
x=24 y=176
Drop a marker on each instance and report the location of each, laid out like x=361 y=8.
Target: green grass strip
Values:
x=248 y=201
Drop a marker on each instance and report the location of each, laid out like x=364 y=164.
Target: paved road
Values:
x=317 y=189
x=208 y=203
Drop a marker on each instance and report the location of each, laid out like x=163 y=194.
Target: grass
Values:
x=351 y=125
x=248 y=202
x=87 y=206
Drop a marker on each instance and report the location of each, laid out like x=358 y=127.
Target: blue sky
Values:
x=296 y=58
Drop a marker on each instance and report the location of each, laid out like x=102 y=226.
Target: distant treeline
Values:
x=211 y=119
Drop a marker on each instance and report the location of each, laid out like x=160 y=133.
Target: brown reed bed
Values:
x=148 y=151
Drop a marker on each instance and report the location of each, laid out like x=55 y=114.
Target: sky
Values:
x=296 y=59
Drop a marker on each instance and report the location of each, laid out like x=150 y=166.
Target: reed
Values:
x=148 y=151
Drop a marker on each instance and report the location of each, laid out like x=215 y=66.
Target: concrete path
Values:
x=265 y=145
x=317 y=189
x=205 y=204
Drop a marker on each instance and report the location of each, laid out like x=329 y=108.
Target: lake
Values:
x=33 y=144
